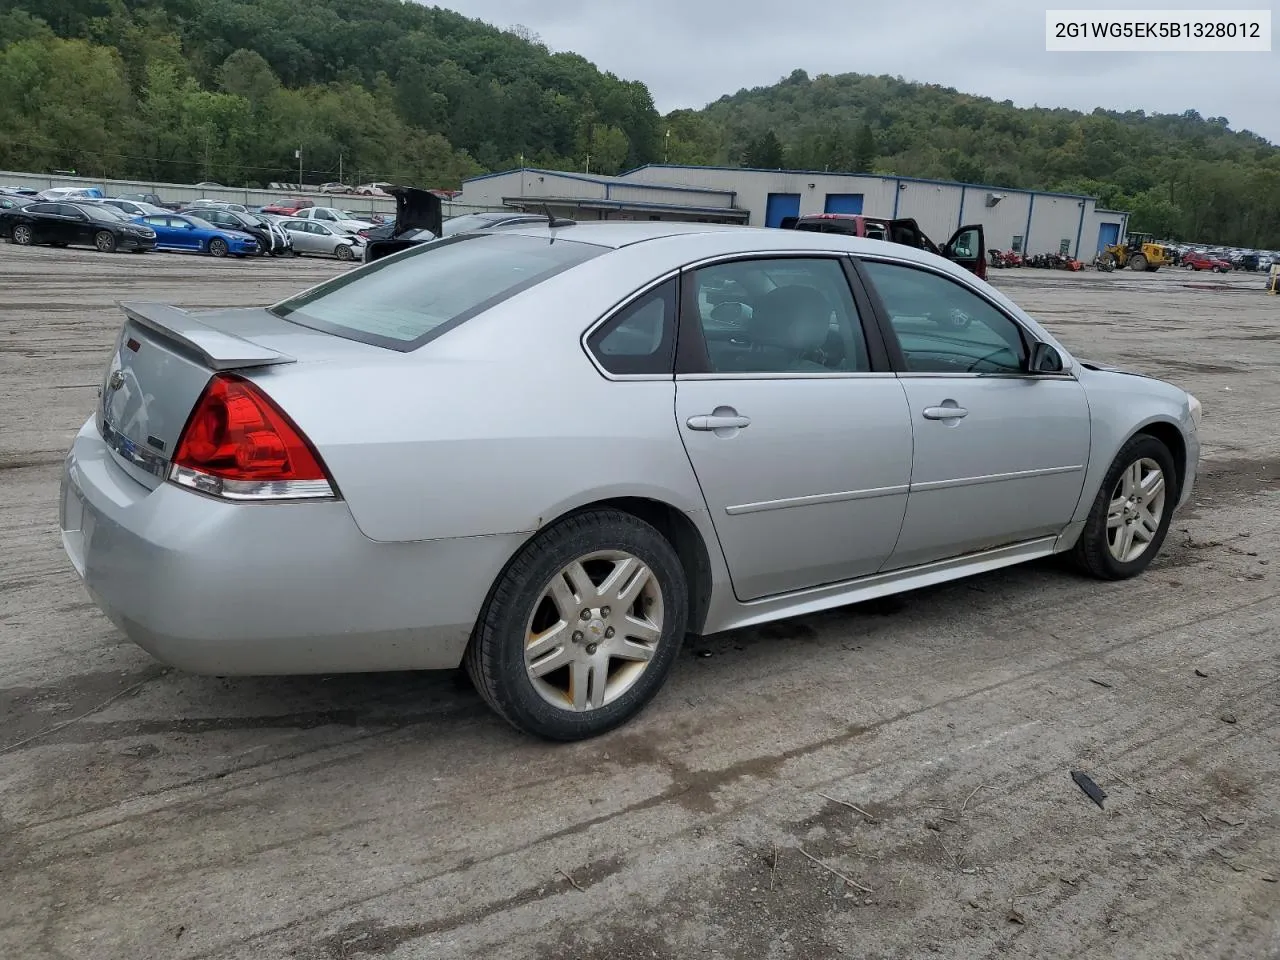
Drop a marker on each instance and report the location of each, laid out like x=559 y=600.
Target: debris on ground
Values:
x=1091 y=789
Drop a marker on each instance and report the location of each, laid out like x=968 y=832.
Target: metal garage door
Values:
x=843 y=203
x=1108 y=233
x=781 y=205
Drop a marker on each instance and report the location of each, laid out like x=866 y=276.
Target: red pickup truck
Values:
x=288 y=206
x=967 y=246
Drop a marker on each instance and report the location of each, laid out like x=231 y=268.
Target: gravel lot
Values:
x=147 y=813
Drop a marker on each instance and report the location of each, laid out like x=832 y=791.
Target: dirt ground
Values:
x=884 y=781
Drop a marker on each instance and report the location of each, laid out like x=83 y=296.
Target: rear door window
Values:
x=411 y=297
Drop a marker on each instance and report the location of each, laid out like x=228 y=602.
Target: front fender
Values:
x=1122 y=405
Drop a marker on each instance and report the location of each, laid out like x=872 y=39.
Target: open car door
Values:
x=968 y=247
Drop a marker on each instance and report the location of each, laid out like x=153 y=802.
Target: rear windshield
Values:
x=405 y=300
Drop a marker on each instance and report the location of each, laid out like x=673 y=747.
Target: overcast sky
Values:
x=690 y=52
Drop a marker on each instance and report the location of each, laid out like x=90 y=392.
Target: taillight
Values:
x=239 y=445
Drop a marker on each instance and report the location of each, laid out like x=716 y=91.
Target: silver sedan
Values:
x=548 y=454
x=311 y=236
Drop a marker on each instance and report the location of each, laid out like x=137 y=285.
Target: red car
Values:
x=967 y=246
x=288 y=206
x=1202 y=261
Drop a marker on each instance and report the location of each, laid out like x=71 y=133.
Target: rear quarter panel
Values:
x=498 y=426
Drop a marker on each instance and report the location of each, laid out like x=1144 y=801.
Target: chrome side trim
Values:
x=991 y=478
x=814 y=599
x=814 y=499
x=815 y=375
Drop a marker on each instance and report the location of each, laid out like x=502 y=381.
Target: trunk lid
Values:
x=162 y=361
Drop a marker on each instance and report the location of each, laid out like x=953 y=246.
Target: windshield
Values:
x=405 y=300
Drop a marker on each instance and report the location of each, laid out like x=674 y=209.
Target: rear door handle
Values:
x=945 y=412
x=708 y=422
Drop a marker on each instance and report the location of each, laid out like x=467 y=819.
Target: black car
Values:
x=419 y=219
x=8 y=202
x=60 y=224
x=271 y=238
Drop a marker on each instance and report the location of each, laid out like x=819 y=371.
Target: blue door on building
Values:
x=781 y=206
x=843 y=203
x=1108 y=234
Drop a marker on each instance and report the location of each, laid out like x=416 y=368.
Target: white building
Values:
x=1028 y=221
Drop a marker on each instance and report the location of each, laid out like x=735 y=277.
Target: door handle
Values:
x=948 y=411
x=708 y=422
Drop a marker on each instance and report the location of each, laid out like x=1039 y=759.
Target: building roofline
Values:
x=861 y=176
x=606 y=181
x=591 y=203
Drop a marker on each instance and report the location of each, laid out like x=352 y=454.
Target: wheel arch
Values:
x=672 y=523
x=1170 y=434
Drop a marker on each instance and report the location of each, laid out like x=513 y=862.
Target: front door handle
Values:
x=709 y=422
x=949 y=410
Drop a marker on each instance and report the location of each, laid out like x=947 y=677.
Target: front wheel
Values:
x=343 y=252
x=583 y=627
x=105 y=241
x=1132 y=512
x=217 y=247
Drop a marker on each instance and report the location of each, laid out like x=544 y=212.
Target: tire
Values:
x=1138 y=263
x=22 y=235
x=1094 y=552
x=217 y=247
x=343 y=252
x=521 y=604
x=105 y=241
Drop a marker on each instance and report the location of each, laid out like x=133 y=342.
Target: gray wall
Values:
x=936 y=206
x=491 y=190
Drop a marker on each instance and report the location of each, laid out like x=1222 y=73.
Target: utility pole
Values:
x=339 y=166
x=588 y=167
x=666 y=148
x=298 y=153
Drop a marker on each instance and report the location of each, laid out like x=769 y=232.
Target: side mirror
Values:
x=1044 y=359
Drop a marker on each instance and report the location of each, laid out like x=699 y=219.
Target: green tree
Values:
x=864 y=149
x=764 y=153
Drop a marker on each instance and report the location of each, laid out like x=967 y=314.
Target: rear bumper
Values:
x=293 y=588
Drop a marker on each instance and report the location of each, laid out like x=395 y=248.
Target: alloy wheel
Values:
x=22 y=235
x=594 y=630
x=1136 y=510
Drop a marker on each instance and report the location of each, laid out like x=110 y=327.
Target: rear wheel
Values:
x=343 y=252
x=582 y=628
x=105 y=241
x=217 y=247
x=22 y=235
x=1131 y=514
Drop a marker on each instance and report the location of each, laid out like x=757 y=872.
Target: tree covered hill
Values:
x=227 y=90
x=1182 y=175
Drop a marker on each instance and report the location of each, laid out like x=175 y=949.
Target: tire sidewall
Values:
x=501 y=632
x=109 y=247
x=1140 y=447
x=217 y=248
x=22 y=230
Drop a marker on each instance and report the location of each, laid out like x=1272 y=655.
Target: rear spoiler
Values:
x=218 y=349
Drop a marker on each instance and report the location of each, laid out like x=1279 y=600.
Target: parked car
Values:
x=19 y=191
x=205 y=184
x=374 y=190
x=324 y=484
x=204 y=202
x=967 y=246
x=334 y=187
x=342 y=219
x=70 y=193
x=152 y=199
x=312 y=236
x=62 y=224
x=1203 y=261
x=178 y=231
x=9 y=202
x=287 y=207
x=420 y=218
x=271 y=237
x=133 y=208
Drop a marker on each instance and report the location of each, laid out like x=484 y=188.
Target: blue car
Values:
x=176 y=231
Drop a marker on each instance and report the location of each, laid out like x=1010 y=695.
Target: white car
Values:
x=312 y=236
x=342 y=219
x=373 y=189
x=135 y=208
x=69 y=193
